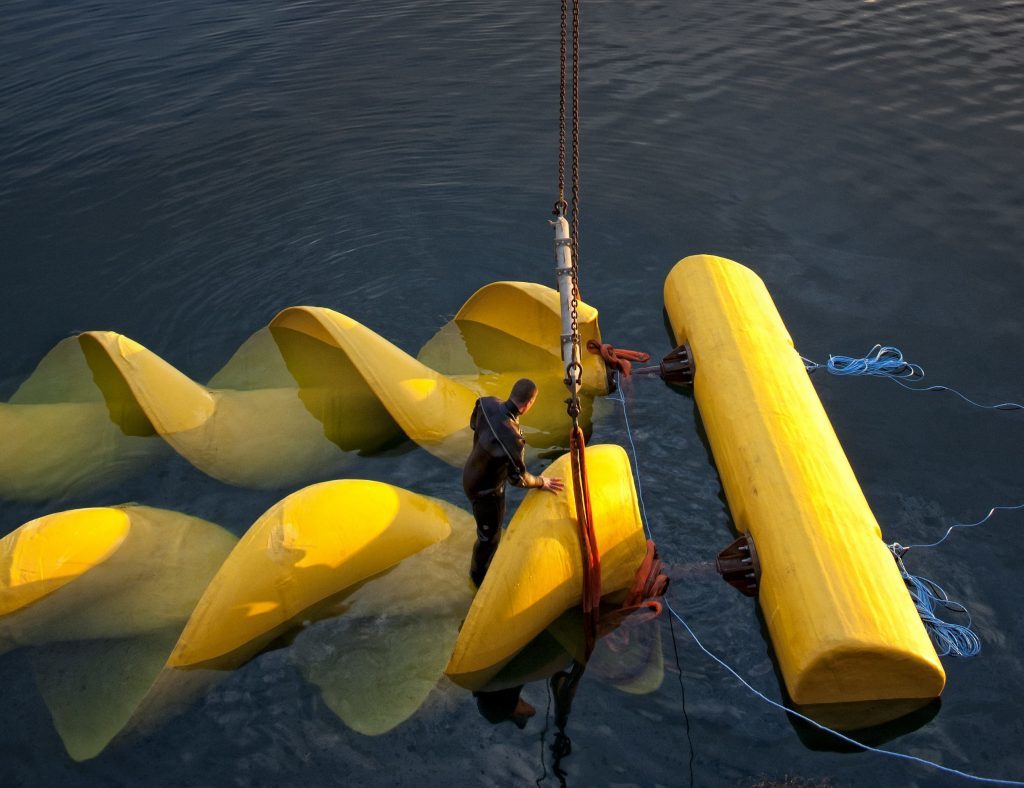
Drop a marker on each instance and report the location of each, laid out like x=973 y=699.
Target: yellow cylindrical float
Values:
x=840 y=618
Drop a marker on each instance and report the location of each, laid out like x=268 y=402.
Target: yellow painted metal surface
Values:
x=130 y=611
x=58 y=437
x=99 y=596
x=104 y=573
x=376 y=664
x=840 y=618
x=536 y=574
x=48 y=553
x=122 y=606
x=430 y=408
x=532 y=313
x=297 y=401
x=305 y=550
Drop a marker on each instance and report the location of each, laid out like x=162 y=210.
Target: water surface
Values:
x=179 y=172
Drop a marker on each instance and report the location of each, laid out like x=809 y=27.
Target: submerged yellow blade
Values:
x=104 y=573
x=99 y=596
x=93 y=688
x=376 y=664
x=630 y=658
x=536 y=575
x=59 y=437
x=308 y=548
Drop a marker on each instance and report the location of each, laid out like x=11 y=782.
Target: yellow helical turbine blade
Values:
x=58 y=436
x=46 y=554
x=293 y=404
x=104 y=573
x=516 y=327
x=98 y=597
x=101 y=596
x=510 y=330
x=252 y=438
x=302 y=553
x=536 y=575
x=103 y=599
x=376 y=664
x=430 y=408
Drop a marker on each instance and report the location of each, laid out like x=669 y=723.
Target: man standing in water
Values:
x=498 y=455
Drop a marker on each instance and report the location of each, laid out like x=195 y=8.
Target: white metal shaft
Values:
x=571 y=351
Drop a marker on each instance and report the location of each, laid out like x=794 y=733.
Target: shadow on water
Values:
x=872 y=722
x=628 y=657
x=902 y=717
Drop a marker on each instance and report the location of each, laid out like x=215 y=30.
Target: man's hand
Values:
x=551 y=485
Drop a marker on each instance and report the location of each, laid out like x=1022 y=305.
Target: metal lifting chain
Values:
x=560 y=204
x=576 y=140
x=567 y=246
x=574 y=311
x=574 y=370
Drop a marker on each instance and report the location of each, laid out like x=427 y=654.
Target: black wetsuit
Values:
x=498 y=456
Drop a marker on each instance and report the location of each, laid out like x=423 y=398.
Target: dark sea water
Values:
x=180 y=171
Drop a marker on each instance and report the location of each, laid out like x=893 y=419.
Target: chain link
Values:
x=577 y=373
x=575 y=142
x=574 y=371
x=560 y=204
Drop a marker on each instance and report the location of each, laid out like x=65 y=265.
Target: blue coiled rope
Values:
x=890 y=753
x=950 y=639
x=881 y=361
x=885 y=361
x=956 y=640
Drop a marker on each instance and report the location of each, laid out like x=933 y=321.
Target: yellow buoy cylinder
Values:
x=840 y=618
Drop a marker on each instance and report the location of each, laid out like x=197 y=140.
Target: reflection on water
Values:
x=872 y=722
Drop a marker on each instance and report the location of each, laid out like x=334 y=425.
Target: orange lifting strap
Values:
x=588 y=542
x=618 y=359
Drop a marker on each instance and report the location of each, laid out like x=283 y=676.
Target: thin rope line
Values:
x=636 y=463
x=819 y=726
x=965 y=398
x=982 y=521
x=543 y=738
x=682 y=693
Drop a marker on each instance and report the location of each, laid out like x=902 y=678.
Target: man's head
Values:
x=523 y=395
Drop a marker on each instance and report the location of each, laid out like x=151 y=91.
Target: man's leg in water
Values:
x=500 y=705
x=489 y=513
